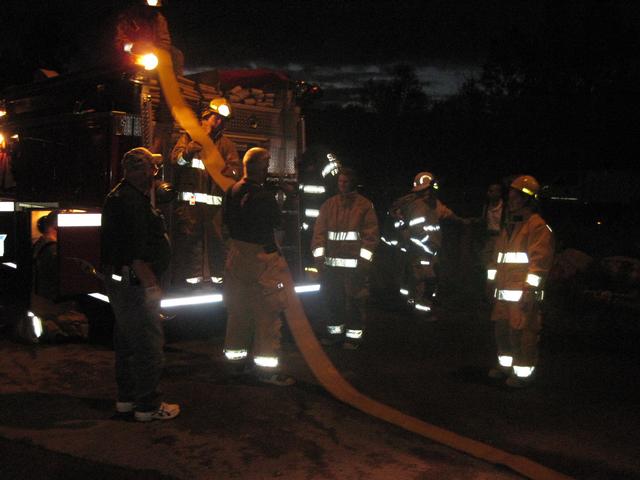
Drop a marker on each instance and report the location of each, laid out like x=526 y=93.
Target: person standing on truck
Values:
x=135 y=253
x=522 y=260
x=345 y=236
x=254 y=273
x=197 y=234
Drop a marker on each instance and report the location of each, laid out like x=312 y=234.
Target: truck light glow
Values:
x=36 y=323
x=7 y=207
x=203 y=299
x=185 y=301
x=79 y=220
x=148 y=61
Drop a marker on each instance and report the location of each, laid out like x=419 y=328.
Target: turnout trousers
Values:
x=345 y=292
x=198 y=245
x=255 y=298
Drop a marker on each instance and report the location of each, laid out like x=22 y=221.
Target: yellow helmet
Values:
x=526 y=184
x=220 y=106
x=424 y=180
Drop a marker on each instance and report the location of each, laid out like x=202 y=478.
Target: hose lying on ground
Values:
x=314 y=355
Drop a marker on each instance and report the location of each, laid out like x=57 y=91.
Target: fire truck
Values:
x=61 y=143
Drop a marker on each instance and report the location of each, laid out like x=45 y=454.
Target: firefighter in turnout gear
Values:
x=523 y=257
x=253 y=277
x=344 y=239
x=318 y=176
x=197 y=233
x=417 y=218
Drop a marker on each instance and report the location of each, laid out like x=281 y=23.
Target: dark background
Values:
x=549 y=88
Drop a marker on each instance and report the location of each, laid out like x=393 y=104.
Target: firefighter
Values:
x=345 y=236
x=523 y=257
x=253 y=277
x=317 y=183
x=198 y=239
x=417 y=217
x=135 y=253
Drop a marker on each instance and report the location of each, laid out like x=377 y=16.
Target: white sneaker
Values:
x=166 y=411
x=125 y=407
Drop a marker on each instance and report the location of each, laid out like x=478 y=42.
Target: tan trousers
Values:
x=519 y=338
x=254 y=296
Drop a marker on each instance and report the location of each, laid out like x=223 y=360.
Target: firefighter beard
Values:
x=198 y=242
x=255 y=298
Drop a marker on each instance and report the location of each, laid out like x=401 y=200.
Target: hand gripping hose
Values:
x=213 y=161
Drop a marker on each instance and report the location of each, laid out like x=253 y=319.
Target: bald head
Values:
x=256 y=164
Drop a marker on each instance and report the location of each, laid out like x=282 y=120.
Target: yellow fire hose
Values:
x=213 y=161
x=314 y=355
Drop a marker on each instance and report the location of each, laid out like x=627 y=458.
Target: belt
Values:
x=194 y=198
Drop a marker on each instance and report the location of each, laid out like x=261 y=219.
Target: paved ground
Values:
x=581 y=417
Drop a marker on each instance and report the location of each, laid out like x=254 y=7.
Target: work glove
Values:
x=152 y=297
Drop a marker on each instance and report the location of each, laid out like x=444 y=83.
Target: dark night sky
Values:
x=335 y=43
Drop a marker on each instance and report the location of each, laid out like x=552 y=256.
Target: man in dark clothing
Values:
x=45 y=258
x=253 y=279
x=135 y=253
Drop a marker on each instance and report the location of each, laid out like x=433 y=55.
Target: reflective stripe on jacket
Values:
x=193 y=176
x=423 y=223
x=523 y=259
x=346 y=231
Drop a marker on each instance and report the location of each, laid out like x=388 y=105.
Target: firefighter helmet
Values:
x=423 y=181
x=220 y=106
x=526 y=184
